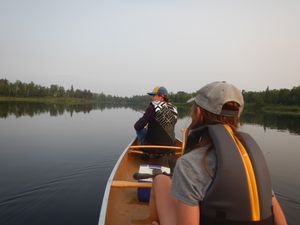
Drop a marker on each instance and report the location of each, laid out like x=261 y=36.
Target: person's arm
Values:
x=188 y=185
x=279 y=218
x=143 y=121
x=187 y=214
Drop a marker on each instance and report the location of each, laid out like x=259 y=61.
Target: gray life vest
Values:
x=228 y=201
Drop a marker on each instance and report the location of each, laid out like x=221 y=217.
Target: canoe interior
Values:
x=123 y=206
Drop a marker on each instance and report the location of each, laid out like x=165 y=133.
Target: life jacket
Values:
x=241 y=192
x=161 y=129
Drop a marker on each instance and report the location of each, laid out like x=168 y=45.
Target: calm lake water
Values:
x=55 y=160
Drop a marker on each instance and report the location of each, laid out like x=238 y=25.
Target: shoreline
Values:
x=293 y=110
x=48 y=100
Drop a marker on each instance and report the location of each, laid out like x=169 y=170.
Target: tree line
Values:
x=21 y=89
x=276 y=96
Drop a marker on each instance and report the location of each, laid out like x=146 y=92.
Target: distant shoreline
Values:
x=48 y=100
x=279 y=109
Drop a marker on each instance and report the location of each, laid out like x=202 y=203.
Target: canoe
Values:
x=120 y=204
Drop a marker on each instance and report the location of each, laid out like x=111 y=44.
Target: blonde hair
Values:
x=208 y=118
x=211 y=118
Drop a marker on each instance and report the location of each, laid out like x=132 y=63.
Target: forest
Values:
x=20 y=89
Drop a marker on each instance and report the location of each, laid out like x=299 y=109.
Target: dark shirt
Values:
x=147 y=117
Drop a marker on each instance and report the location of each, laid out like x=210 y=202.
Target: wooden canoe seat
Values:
x=159 y=149
x=155 y=150
x=130 y=184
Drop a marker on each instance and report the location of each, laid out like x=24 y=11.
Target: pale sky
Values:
x=126 y=47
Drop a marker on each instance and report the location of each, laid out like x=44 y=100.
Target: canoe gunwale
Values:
x=108 y=186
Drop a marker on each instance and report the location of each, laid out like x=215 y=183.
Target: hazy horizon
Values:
x=126 y=48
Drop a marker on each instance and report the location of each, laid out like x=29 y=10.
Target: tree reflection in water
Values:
x=267 y=120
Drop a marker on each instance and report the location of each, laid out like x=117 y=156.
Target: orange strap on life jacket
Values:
x=253 y=192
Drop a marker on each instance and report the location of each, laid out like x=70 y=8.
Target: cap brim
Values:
x=151 y=93
x=191 y=100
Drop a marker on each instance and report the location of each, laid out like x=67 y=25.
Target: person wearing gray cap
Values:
x=222 y=178
x=157 y=125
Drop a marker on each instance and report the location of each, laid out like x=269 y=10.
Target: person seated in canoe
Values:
x=222 y=178
x=156 y=126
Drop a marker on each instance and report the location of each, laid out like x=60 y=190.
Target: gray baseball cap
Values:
x=213 y=96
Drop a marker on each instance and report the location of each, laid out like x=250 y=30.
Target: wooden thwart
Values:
x=135 y=148
x=142 y=153
x=136 y=152
x=129 y=184
x=154 y=146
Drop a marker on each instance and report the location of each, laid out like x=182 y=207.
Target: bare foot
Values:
x=155 y=223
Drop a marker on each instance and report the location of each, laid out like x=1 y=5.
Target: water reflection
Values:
x=273 y=121
x=31 y=109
